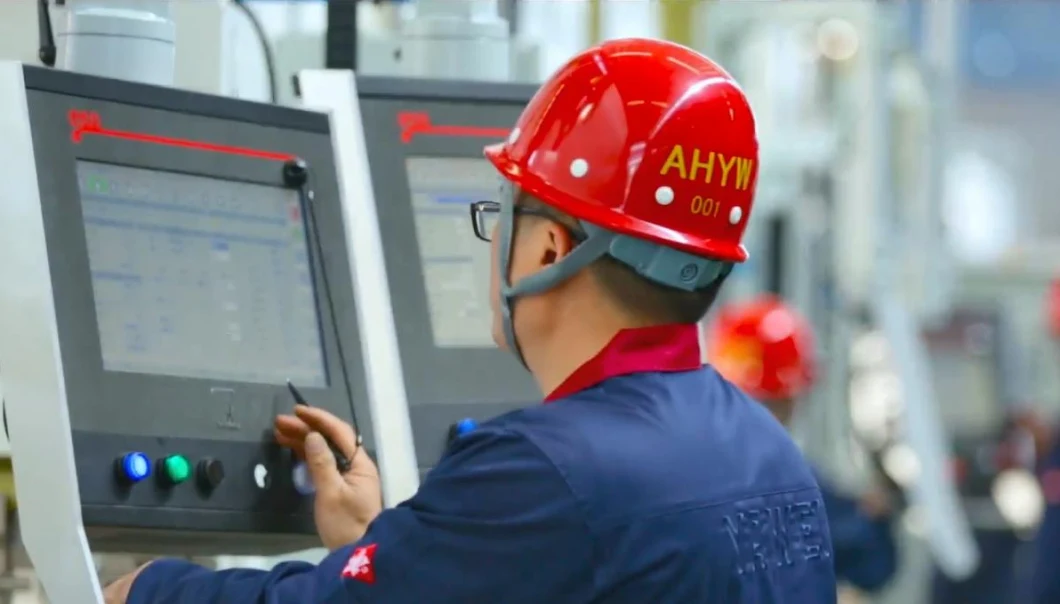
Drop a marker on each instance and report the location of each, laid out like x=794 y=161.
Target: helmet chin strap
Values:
x=580 y=257
x=662 y=265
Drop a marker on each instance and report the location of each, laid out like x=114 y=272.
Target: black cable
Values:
x=46 y=52
x=296 y=176
x=510 y=10
x=266 y=48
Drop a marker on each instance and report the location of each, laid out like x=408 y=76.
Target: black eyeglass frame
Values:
x=481 y=208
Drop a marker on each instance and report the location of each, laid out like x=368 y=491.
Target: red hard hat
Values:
x=1052 y=310
x=764 y=347
x=644 y=138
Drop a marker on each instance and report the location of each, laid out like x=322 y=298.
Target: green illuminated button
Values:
x=176 y=469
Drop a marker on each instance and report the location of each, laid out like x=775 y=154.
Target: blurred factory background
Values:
x=907 y=204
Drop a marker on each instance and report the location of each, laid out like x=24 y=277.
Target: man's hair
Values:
x=645 y=300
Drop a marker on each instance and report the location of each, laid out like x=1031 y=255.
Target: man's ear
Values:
x=557 y=243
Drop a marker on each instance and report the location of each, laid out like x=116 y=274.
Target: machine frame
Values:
x=52 y=527
x=405 y=118
x=336 y=92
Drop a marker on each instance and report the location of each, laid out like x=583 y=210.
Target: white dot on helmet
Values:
x=579 y=168
x=776 y=326
x=735 y=215
x=664 y=196
x=514 y=136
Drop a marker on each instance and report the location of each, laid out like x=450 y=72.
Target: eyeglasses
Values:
x=484 y=216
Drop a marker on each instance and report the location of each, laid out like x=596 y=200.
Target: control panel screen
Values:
x=965 y=373
x=199 y=277
x=456 y=265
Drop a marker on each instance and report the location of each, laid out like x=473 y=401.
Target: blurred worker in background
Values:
x=768 y=350
x=993 y=470
x=628 y=183
x=1001 y=575
x=1045 y=579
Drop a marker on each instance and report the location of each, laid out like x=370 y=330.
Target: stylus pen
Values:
x=341 y=461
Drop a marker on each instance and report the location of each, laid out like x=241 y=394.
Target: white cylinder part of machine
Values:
x=119 y=40
x=457 y=40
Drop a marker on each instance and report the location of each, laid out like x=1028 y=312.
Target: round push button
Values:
x=465 y=426
x=133 y=467
x=461 y=428
x=303 y=482
x=211 y=472
x=176 y=469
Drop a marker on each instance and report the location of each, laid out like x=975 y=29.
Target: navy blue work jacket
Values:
x=1045 y=580
x=866 y=554
x=647 y=478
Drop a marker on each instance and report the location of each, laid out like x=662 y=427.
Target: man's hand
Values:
x=118 y=591
x=345 y=504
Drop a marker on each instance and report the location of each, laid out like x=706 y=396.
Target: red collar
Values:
x=658 y=348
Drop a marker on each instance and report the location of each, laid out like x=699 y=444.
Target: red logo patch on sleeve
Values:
x=360 y=566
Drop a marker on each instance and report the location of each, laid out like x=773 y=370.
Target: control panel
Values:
x=419 y=145
x=178 y=259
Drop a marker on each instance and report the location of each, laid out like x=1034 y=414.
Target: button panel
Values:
x=222 y=492
x=147 y=481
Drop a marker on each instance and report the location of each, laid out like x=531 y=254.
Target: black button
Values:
x=211 y=472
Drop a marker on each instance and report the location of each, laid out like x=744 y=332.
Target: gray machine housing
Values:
x=68 y=419
x=401 y=118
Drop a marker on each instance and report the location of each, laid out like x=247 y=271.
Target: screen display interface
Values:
x=200 y=277
x=456 y=265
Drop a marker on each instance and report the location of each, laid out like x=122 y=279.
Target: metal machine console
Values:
x=970 y=357
x=170 y=260
x=412 y=150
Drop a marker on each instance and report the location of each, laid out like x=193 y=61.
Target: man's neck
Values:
x=554 y=360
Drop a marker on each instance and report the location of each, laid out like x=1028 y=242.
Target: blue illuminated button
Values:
x=303 y=482
x=461 y=428
x=465 y=426
x=134 y=467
